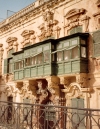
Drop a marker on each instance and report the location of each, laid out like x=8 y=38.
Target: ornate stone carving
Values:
x=97 y=19
x=10 y=90
x=85 y=23
x=98 y=3
x=97 y=63
x=28 y=37
x=1 y=57
x=74 y=90
x=12 y=44
x=57 y=31
x=77 y=17
x=53 y=86
x=8 y=77
x=82 y=79
x=47 y=28
x=27 y=14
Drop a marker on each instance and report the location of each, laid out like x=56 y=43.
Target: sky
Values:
x=8 y=7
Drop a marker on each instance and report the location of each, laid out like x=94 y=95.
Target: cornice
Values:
x=27 y=14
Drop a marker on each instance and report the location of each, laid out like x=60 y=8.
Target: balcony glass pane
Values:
x=66 y=54
x=75 y=53
x=20 y=64
x=46 y=56
x=74 y=42
x=33 y=60
x=59 y=56
x=27 y=61
x=83 y=52
x=40 y=58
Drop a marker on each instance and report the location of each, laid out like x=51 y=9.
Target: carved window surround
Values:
x=12 y=44
x=75 y=90
x=76 y=17
x=28 y=37
x=97 y=19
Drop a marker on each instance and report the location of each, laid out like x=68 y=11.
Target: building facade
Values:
x=49 y=52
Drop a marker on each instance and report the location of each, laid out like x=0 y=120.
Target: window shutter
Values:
x=78 y=29
x=72 y=31
x=5 y=66
x=26 y=110
x=74 y=111
x=10 y=65
x=81 y=113
x=96 y=37
x=96 y=41
x=96 y=49
x=78 y=115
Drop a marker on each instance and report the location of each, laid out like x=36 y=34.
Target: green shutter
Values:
x=97 y=49
x=72 y=31
x=5 y=66
x=80 y=103
x=96 y=41
x=96 y=37
x=78 y=115
x=26 y=110
x=78 y=29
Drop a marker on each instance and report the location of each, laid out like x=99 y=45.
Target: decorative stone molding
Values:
x=97 y=63
x=97 y=19
x=53 y=86
x=1 y=57
x=47 y=28
x=57 y=31
x=12 y=44
x=82 y=79
x=25 y=15
x=74 y=90
x=8 y=77
x=28 y=37
x=77 y=17
x=10 y=90
x=98 y=3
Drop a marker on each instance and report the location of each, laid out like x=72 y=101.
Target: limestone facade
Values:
x=42 y=20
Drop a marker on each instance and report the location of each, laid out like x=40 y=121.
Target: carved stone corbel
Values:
x=82 y=79
x=10 y=91
x=53 y=86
